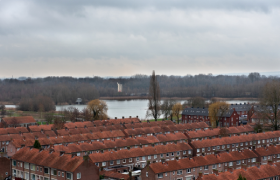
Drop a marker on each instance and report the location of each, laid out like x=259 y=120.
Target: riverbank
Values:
x=127 y=98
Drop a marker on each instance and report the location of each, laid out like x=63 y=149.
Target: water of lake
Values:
x=127 y=108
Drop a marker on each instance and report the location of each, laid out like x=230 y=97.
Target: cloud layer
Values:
x=121 y=38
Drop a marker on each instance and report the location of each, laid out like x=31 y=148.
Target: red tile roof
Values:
x=267 y=151
x=13 y=130
x=20 y=120
x=235 y=139
x=47 y=159
x=201 y=161
x=251 y=173
x=114 y=175
x=138 y=152
x=38 y=128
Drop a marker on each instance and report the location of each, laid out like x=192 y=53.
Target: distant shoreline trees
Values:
x=37 y=104
x=66 y=90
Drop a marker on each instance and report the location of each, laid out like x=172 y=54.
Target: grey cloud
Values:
x=202 y=36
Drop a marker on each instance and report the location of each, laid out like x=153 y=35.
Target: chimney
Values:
x=230 y=170
x=51 y=151
x=129 y=117
x=200 y=175
x=123 y=117
x=215 y=171
x=115 y=117
x=137 y=117
x=108 y=119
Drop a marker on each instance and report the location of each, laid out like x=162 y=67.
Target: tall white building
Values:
x=119 y=87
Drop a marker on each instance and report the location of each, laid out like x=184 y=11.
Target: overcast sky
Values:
x=127 y=37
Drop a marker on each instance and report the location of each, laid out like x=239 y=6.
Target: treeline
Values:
x=68 y=89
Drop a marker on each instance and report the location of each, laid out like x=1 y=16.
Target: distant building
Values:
x=79 y=100
x=119 y=87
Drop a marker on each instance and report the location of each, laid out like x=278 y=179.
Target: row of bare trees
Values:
x=68 y=89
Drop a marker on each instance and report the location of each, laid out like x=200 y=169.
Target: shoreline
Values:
x=128 y=98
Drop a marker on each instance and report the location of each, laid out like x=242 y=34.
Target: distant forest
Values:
x=68 y=89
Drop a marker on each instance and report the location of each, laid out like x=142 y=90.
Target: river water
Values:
x=126 y=108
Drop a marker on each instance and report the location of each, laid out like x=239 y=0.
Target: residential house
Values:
x=49 y=165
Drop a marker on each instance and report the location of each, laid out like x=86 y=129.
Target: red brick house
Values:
x=267 y=172
x=228 y=119
x=46 y=165
x=190 y=168
x=5 y=167
x=22 y=121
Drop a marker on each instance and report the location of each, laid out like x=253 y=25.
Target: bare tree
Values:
x=270 y=101
x=49 y=117
x=2 y=110
x=196 y=102
x=14 y=122
x=166 y=108
x=154 y=98
x=86 y=115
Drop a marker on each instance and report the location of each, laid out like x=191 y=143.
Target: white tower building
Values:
x=119 y=87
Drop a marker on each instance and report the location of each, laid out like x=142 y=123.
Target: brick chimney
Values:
x=215 y=171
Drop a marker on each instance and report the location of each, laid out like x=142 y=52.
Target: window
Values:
x=58 y=173
x=54 y=172
x=184 y=152
x=228 y=146
x=178 y=153
x=103 y=163
x=189 y=170
x=190 y=151
x=69 y=175
x=167 y=154
x=62 y=174
x=79 y=175
x=246 y=143
x=161 y=155
x=241 y=144
x=155 y=156
x=37 y=168
x=218 y=147
x=209 y=148
x=172 y=154
x=173 y=172
x=264 y=158
x=130 y=159
x=253 y=159
x=179 y=172
x=230 y=164
x=238 y=162
x=160 y=175
x=46 y=170
x=219 y=164
x=124 y=161
x=143 y=158
x=259 y=141
x=112 y=162
x=198 y=150
x=97 y=164
x=137 y=158
x=165 y=174
x=147 y=175
x=214 y=148
x=203 y=149
x=27 y=175
x=214 y=166
x=14 y=163
x=223 y=146
x=26 y=165
x=149 y=157
x=193 y=169
x=205 y=167
x=233 y=145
